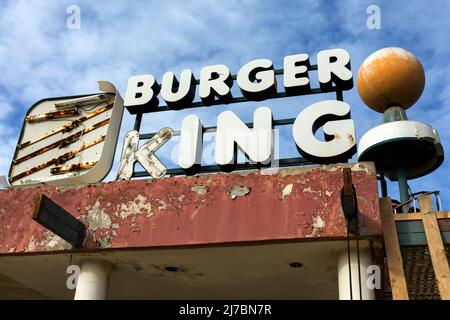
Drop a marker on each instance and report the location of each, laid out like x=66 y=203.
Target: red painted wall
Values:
x=196 y=210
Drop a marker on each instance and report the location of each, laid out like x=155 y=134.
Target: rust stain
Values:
x=67 y=126
x=60 y=159
x=351 y=138
x=52 y=115
x=73 y=167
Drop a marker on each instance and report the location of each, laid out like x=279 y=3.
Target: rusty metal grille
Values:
x=419 y=273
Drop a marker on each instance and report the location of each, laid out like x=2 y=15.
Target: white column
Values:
x=93 y=280
x=344 y=277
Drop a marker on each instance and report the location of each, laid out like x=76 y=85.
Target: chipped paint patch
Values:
x=287 y=191
x=50 y=243
x=318 y=222
x=134 y=207
x=54 y=242
x=318 y=225
x=32 y=245
x=238 y=191
x=201 y=190
x=163 y=205
x=97 y=218
x=105 y=242
x=180 y=198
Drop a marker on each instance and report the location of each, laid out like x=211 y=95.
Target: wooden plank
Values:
x=435 y=246
x=393 y=253
x=418 y=216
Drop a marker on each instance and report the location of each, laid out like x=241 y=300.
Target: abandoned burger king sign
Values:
x=68 y=140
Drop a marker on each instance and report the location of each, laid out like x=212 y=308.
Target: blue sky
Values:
x=40 y=57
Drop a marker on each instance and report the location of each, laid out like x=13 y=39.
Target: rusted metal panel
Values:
x=288 y=204
x=60 y=159
x=52 y=115
x=63 y=142
x=68 y=126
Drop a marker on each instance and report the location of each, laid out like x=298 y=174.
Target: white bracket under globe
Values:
x=413 y=143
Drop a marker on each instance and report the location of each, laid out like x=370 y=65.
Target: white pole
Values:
x=93 y=280
x=344 y=276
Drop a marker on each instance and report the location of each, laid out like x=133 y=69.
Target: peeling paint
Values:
x=163 y=205
x=201 y=190
x=54 y=242
x=287 y=191
x=134 y=207
x=308 y=190
x=51 y=242
x=32 y=245
x=117 y=210
x=238 y=191
x=104 y=242
x=318 y=222
x=97 y=218
x=318 y=225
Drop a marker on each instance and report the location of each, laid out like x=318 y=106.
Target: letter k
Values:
x=145 y=155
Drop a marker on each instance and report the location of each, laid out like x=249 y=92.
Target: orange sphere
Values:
x=390 y=77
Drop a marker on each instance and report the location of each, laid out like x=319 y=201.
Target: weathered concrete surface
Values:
x=13 y=290
x=288 y=204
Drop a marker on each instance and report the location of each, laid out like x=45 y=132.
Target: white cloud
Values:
x=5 y=108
